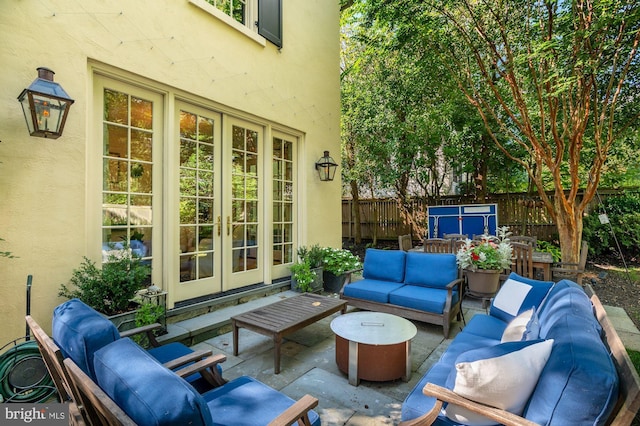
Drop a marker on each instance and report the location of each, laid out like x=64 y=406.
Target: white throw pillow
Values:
x=501 y=376
x=516 y=328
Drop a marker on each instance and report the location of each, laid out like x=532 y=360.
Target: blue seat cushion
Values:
x=80 y=331
x=246 y=402
x=384 y=265
x=422 y=298
x=148 y=392
x=430 y=269
x=486 y=326
x=517 y=295
x=372 y=290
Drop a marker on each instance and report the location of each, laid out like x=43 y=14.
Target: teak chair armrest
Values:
x=445 y=395
x=186 y=359
x=145 y=329
x=297 y=413
x=207 y=369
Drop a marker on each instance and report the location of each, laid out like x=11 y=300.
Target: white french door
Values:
x=219 y=207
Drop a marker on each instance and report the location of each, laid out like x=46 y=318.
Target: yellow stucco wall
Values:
x=172 y=44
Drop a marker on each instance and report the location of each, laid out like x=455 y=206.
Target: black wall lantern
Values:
x=326 y=167
x=45 y=105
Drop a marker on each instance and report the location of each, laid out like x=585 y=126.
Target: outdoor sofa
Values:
x=420 y=286
x=544 y=354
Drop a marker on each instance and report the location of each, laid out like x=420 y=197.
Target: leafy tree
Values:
x=555 y=80
x=405 y=127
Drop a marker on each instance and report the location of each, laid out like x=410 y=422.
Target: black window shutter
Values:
x=270 y=20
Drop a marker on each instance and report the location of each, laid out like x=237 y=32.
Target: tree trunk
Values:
x=569 y=223
x=355 y=195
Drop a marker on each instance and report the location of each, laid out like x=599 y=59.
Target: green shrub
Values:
x=548 y=247
x=147 y=313
x=312 y=255
x=624 y=215
x=303 y=275
x=110 y=289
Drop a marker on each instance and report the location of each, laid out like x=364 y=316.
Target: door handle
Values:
x=228 y=225
x=219 y=224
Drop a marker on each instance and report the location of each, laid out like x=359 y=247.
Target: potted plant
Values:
x=303 y=278
x=336 y=263
x=306 y=275
x=112 y=288
x=484 y=260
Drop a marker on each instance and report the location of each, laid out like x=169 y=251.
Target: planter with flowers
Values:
x=336 y=264
x=483 y=261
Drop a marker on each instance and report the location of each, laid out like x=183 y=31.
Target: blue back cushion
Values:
x=80 y=331
x=517 y=295
x=579 y=384
x=384 y=265
x=148 y=392
x=430 y=269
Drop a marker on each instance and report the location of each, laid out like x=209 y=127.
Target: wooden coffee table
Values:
x=373 y=346
x=284 y=317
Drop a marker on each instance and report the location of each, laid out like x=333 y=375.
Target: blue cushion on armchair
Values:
x=430 y=269
x=80 y=331
x=246 y=401
x=384 y=265
x=148 y=392
x=517 y=295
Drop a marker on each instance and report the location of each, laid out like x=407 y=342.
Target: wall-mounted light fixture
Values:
x=326 y=167
x=45 y=105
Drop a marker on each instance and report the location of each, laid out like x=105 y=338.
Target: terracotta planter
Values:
x=483 y=282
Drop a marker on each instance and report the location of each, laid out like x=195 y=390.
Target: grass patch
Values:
x=635 y=359
x=634 y=273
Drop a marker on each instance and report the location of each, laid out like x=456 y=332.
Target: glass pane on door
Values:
x=245 y=199
x=197 y=182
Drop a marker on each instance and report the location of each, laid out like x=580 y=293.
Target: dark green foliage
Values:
x=148 y=313
x=110 y=289
x=545 y=246
x=624 y=215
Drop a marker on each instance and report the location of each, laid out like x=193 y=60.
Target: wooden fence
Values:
x=523 y=214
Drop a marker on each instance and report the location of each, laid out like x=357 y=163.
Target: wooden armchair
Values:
x=532 y=241
x=522 y=261
x=404 y=242
x=52 y=357
x=438 y=245
x=80 y=331
x=574 y=271
x=152 y=394
x=455 y=236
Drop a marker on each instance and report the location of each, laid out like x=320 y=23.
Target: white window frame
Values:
x=250 y=29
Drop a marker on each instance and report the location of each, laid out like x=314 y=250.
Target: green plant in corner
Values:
x=303 y=276
x=313 y=255
x=111 y=288
x=147 y=313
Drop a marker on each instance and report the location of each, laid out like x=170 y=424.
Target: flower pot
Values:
x=332 y=282
x=483 y=282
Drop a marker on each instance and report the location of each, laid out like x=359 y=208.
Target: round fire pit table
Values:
x=373 y=346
